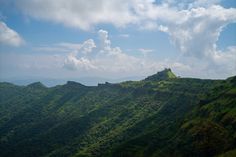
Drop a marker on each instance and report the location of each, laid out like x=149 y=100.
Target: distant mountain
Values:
x=50 y=82
x=160 y=116
x=36 y=85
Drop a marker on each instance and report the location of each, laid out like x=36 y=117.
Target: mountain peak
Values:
x=36 y=85
x=73 y=84
x=162 y=75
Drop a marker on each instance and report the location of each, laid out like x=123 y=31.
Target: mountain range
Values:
x=160 y=116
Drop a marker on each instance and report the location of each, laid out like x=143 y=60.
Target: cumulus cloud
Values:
x=73 y=63
x=197 y=34
x=105 y=42
x=8 y=36
x=111 y=60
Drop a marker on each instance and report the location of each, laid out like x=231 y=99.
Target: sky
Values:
x=68 y=39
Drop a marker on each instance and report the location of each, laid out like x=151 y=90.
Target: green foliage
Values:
x=160 y=116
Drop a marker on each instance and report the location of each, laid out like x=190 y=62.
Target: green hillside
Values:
x=160 y=116
x=162 y=75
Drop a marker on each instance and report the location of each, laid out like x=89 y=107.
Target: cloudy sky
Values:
x=66 y=39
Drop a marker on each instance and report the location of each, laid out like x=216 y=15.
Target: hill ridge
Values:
x=155 y=117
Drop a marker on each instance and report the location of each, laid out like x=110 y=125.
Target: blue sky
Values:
x=59 y=39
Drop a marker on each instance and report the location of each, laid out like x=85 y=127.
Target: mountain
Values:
x=50 y=82
x=160 y=116
x=162 y=75
x=36 y=85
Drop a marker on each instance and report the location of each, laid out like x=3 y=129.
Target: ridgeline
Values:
x=160 y=116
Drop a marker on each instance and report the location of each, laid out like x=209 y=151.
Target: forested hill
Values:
x=160 y=116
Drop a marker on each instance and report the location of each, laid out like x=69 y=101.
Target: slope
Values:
x=153 y=117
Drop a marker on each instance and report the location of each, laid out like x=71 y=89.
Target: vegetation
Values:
x=161 y=116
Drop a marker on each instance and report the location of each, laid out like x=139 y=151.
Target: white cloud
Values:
x=198 y=33
x=73 y=63
x=9 y=36
x=225 y=62
x=193 y=26
x=108 y=60
x=86 y=14
x=79 y=13
x=86 y=47
x=163 y=28
x=188 y=4
x=105 y=42
x=150 y=25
